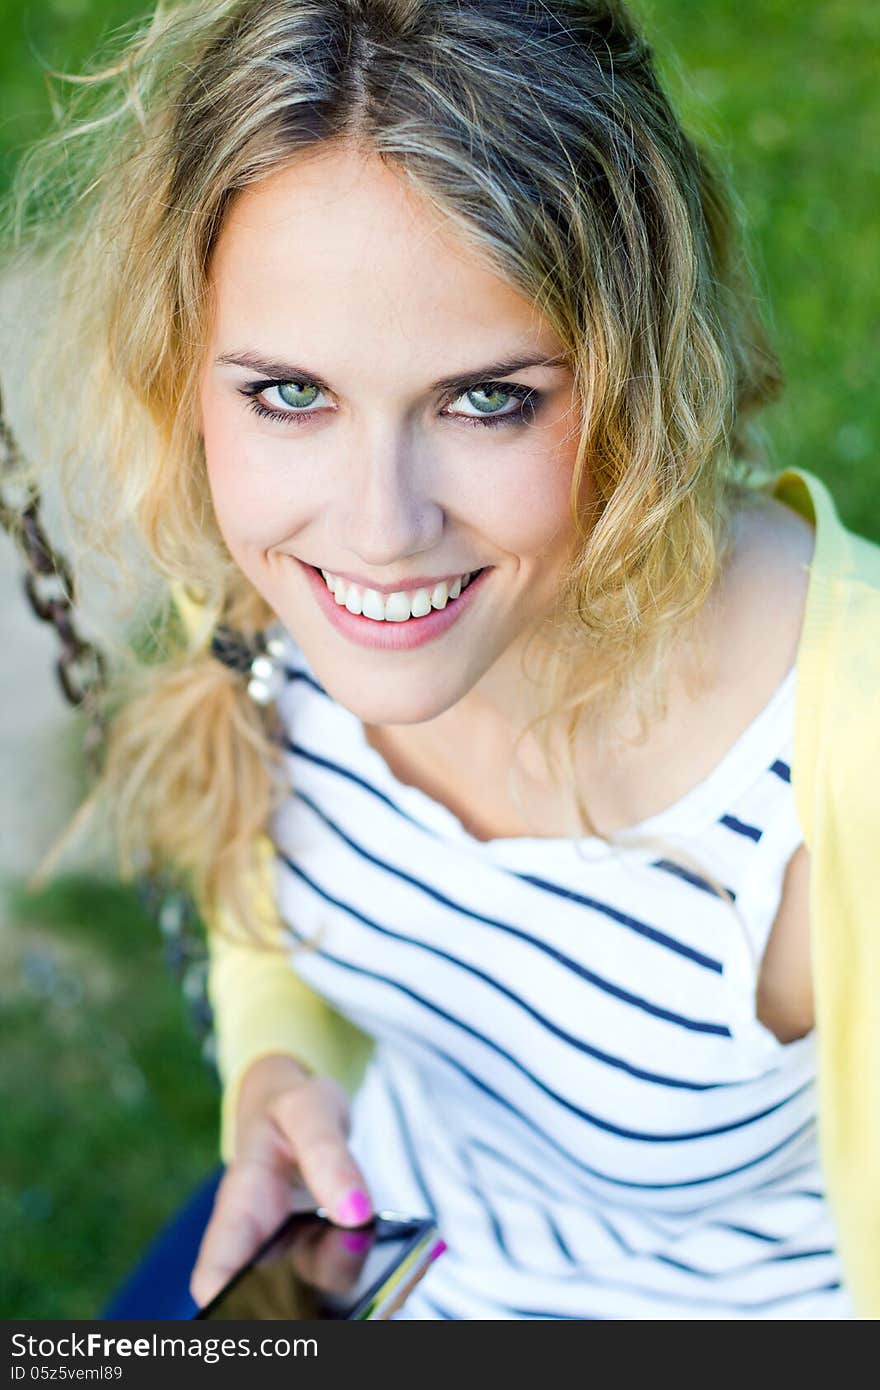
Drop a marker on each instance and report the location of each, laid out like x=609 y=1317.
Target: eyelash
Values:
x=530 y=400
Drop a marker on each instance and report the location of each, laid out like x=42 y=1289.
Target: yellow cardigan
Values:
x=262 y=1006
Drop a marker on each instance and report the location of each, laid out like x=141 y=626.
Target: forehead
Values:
x=338 y=252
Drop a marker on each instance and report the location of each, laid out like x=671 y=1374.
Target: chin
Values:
x=401 y=709
x=385 y=702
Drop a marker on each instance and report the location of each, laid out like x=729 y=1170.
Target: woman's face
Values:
x=378 y=404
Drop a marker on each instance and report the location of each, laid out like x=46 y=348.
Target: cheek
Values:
x=527 y=510
x=255 y=506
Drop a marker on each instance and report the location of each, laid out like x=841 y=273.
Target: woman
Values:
x=417 y=331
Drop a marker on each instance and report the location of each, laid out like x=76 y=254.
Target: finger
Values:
x=314 y=1119
x=251 y=1203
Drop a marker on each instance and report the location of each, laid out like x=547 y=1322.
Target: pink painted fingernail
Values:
x=438 y=1250
x=356 y=1241
x=354 y=1208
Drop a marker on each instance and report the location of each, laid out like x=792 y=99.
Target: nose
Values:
x=390 y=509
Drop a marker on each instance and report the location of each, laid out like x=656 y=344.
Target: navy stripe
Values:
x=558 y=1238
x=409 y=1147
x=668 y=1296
x=809 y=1165
x=511 y=1164
x=550 y=1317
x=508 y=1105
x=578 y=1043
x=801 y=1254
x=695 y=1025
x=496 y=1047
x=558 y=1148
x=745 y=1231
x=627 y=1250
x=497 y=1228
x=514 y=1312
x=439 y=1012
x=740 y=827
x=564 y=1200
x=508 y=1163
x=300 y=752
x=740 y=1269
x=602 y=1220
x=490 y=1212
x=782 y=770
x=668 y=867
x=293 y=674
x=625 y=920
x=759 y=1187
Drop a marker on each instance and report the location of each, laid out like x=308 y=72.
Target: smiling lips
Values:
x=397 y=607
x=409 y=619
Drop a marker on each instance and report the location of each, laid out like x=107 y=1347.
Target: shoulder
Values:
x=762 y=518
x=768 y=578
x=746 y=638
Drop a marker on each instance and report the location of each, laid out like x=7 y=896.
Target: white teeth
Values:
x=373 y=605
x=421 y=603
x=397 y=607
x=440 y=596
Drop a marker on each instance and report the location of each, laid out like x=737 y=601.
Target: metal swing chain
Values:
x=82 y=674
x=48 y=584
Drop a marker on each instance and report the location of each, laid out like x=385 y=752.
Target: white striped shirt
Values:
x=568 y=1073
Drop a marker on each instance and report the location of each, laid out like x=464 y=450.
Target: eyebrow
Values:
x=459 y=381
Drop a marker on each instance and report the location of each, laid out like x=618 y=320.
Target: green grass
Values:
x=37 y=36
x=109 y=1111
x=789 y=92
x=109 y=1114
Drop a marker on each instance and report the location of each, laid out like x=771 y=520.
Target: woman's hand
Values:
x=291 y=1151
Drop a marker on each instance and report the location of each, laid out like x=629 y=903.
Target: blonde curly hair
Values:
x=542 y=130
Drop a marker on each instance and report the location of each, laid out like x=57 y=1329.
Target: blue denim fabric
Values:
x=158 y=1287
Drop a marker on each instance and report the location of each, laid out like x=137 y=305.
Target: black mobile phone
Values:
x=311 y=1268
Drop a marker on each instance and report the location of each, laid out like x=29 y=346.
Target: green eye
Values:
x=491 y=400
x=297 y=393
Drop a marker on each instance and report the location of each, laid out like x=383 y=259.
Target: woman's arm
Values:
x=286 y=1059
x=289 y=1132
x=261 y=1009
